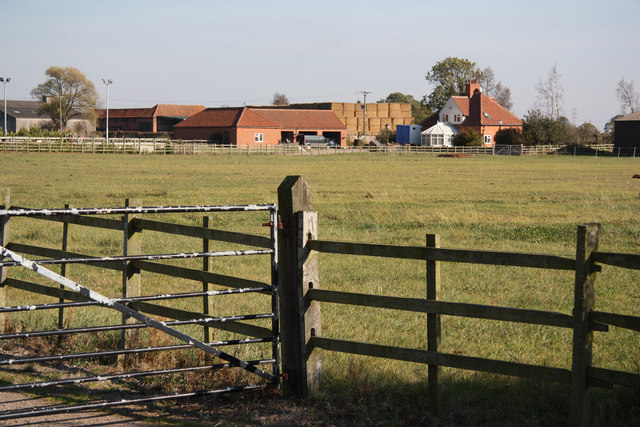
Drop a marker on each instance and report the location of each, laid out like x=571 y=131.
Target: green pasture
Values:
x=516 y=204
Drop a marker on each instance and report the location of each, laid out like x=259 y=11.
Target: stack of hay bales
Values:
x=379 y=115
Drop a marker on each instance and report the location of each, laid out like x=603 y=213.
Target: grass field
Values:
x=507 y=203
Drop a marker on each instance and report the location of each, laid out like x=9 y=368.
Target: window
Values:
x=487 y=140
x=258 y=137
x=457 y=118
x=445 y=117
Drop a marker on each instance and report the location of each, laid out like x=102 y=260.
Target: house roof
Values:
x=252 y=118
x=171 y=110
x=126 y=113
x=23 y=109
x=303 y=119
x=463 y=103
x=479 y=110
x=212 y=117
x=159 y=110
x=630 y=118
x=441 y=128
x=264 y=118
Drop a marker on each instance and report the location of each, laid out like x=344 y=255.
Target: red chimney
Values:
x=472 y=87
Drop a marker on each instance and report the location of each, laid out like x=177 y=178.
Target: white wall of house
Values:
x=451 y=113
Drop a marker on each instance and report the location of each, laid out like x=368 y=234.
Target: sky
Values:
x=224 y=53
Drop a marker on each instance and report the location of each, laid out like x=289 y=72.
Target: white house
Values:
x=472 y=110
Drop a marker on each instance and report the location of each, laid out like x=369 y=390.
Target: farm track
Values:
x=122 y=416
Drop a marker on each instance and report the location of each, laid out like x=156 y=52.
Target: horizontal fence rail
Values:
x=448 y=255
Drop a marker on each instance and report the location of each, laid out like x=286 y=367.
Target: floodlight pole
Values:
x=60 y=102
x=364 y=120
x=4 y=83
x=107 y=83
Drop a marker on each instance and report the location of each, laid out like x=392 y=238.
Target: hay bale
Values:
x=383 y=110
x=385 y=121
x=349 y=106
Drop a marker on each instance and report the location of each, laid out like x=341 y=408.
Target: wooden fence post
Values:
x=130 y=274
x=5 y=194
x=433 y=325
x=299 y=318
x=587 y=242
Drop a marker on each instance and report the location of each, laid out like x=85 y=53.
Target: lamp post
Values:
x=4 y=83
x=107 y=83
x=364 y=106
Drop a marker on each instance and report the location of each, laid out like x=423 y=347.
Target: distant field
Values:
x=497 y=203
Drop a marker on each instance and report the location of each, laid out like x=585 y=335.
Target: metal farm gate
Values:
x=137 y=310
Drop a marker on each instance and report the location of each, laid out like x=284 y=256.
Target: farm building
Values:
x=159 y=118
x=246 y=126
x=626 y=133
x=473 y=110
x=380 y=116
x=24 y=114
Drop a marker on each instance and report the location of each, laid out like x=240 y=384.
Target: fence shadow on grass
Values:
x=470 y=400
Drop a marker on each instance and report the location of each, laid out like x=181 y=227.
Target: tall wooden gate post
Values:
x=587 y=242
x=299 y=317
x=4 y=239
x=433 y=325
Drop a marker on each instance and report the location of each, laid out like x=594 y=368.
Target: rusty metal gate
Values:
x=136 y=309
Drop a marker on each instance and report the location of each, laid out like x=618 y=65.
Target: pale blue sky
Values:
x=217 y=53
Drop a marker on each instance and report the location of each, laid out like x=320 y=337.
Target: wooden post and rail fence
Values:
x=301 y=296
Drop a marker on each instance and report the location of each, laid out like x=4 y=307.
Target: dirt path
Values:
x=113 y=417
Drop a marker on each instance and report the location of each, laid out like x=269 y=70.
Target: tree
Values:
x=540 y=129
x=468 y=138
x=497 y=90
x=419 y=111
x=509 y=136
x=551 y=93
x=628 y=97
x=280 y=99
x=587 y=134
x=449 y=77
x=68 y=93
